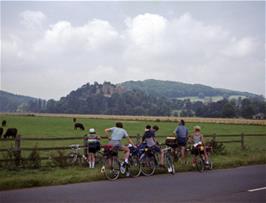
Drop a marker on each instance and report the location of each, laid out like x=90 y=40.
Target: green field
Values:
x=33 y=126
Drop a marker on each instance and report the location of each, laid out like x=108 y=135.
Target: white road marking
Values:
x=257 y=189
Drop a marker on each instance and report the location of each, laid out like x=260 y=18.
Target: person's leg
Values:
x=182 y=152
x=193 y=160
x=93 y=160
x=126 y=152
x=161 y=158
x=206 y=156
x=90 y=160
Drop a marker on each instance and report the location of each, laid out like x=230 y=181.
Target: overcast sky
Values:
x=51 y=48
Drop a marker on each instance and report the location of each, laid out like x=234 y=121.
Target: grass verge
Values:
x=47 y=176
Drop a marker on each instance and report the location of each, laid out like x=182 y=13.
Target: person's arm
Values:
x=202 y=139
x=107 y=131
x=175 y=132
x=130 y=141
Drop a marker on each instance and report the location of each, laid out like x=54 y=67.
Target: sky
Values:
x=51 y=48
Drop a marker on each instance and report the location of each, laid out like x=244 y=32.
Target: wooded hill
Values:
x=149 y=97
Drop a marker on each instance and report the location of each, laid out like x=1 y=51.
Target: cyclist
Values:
x=181 y=133
x=197 y=140
x=149 y=139
x=93 y=146
x=117 y=134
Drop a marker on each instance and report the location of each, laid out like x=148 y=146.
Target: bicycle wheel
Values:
x=134 y=166
x=111 y=168
x=169 y=163
x=200 y=164
x=71 y=158
x=147 y=164
x=210 y=165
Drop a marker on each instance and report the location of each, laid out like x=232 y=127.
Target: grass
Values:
x=34 y=126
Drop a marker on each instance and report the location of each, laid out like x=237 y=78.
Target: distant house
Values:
x=259 y=116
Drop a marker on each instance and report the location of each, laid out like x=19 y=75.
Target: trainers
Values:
x=123 y=168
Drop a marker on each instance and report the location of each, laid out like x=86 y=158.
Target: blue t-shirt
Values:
x=181 y=132
x=118 y=133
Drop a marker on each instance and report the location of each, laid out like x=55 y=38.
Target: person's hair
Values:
x=197 y=128
x=156 y=127
x=148 y=127
x=119 y=124
x=182 y=122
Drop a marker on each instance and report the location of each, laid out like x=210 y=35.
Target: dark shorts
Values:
x=182 y=141
x=94 y=147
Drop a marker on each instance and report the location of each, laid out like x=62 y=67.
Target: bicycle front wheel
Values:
x=134 y=166
x=147 y=164
x=200 y=164
x=169 y=163
x=112 y=168
x=71 y=158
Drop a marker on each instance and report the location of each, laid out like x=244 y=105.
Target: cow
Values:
x=11 y=132
x=74 y=120
x=4 y=123
x=1 y=132
x=79 y=125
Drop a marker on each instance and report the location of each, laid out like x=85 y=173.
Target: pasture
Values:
x=59 y=126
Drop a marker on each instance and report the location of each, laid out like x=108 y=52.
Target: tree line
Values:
x=91 y=99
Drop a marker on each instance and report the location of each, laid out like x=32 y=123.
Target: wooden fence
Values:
x=17 y=150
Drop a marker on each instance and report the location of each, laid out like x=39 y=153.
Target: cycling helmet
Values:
x=92 y=130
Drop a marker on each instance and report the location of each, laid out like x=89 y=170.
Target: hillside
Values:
x=149 y=97
x=172 y=89
x=15 y=103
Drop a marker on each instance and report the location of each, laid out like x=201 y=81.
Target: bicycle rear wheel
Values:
x=169 y=163
x=134 y=166
x=210 y=165
x=147 y=164
x=111 y=168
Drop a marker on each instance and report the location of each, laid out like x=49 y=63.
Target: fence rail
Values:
x=18 y=149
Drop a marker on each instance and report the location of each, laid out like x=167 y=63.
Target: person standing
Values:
x=93 y=146
x=181 y=133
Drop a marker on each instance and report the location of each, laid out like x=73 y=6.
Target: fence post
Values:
x=17 y=150
x=242 y=141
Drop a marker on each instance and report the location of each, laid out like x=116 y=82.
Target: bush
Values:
x=9 y=159
x=34 y=159
x=59 y=159
x=217 y=147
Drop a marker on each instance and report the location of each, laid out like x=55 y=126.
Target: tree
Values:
x=228 y=111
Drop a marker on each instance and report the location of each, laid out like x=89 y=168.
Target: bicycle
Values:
x=74 y=157
x=113 y=167
x=200 y=158
x=169 y=160
x=175 y=148
x=149 y=161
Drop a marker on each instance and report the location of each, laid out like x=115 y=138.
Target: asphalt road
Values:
x=226 y=185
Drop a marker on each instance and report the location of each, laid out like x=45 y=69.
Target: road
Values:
x=225 y=185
